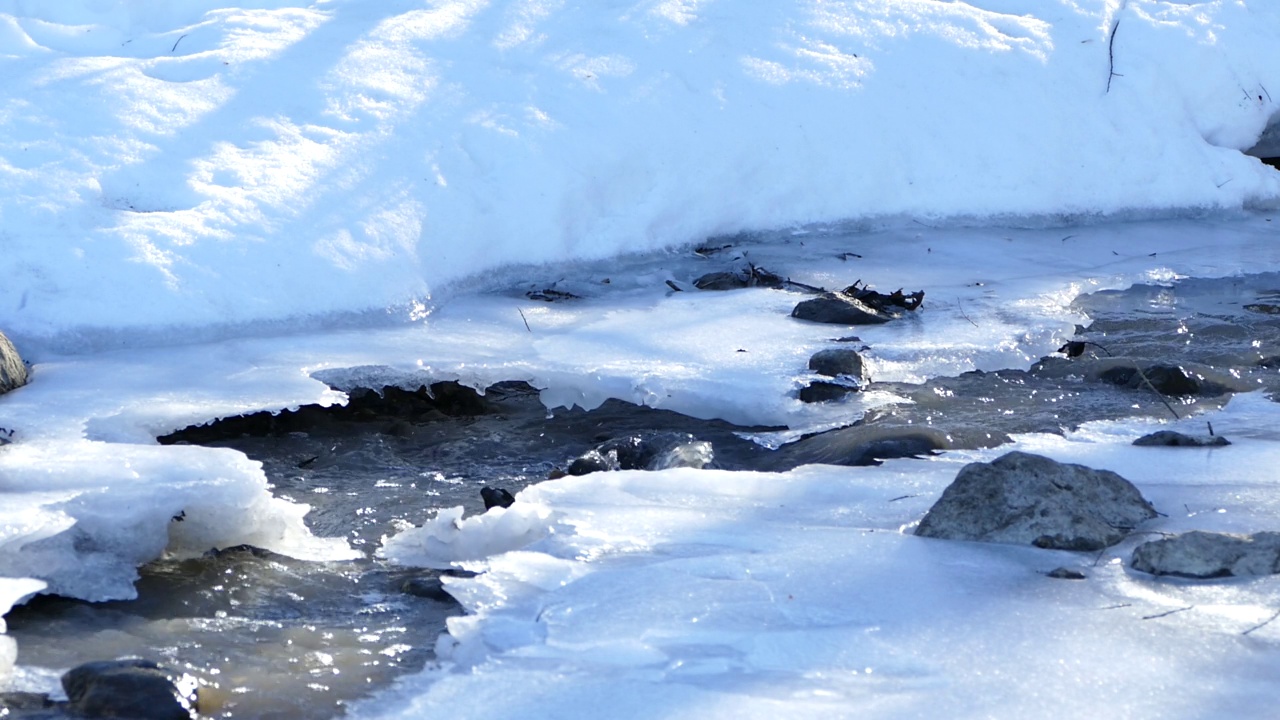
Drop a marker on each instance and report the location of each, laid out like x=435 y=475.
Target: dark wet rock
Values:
x=1064 y=573
x=242 y=551
x=1166 y=379
x=1023 y=498
x=1171 y=438
x=839 y=309
x=428 y=587
x=391 y=410
x=13 y=371
x=1199 y=554
x=836 y=362
x=644 y=451
x=130 y=688
x=17 y=702
x=750 y=276
x=1263 y=308
x=823 y=391
x=496 y=497
x=860 y=446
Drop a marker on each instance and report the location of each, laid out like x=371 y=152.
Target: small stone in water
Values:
x=1063 y=573
x=496 y=497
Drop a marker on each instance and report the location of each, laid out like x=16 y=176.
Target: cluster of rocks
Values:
x=126 y=688
x=858 y=304
x=1026 y=499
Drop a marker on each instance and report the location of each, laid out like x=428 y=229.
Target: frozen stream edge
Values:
x=97 y=415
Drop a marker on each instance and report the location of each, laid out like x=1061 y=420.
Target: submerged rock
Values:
x=130 y=688
x=1022 y=498
x=13 y=372
x=1171 y=438
x=644 y=451
x=1166 y=379
x=1065 y=573
x=750 y=276
x=1199 y=554
x=823 y=391
x=859 y=446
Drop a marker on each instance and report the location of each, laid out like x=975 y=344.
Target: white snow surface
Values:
x=184 y=168
x=209 y=209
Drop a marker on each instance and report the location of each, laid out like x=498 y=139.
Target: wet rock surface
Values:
x=1199 y=554
x=1172 y=438
x=837 y=309
x=824 y=391
x=837 y=362
x=645 y=451
x=13 y=371
x=1022 y=498
x=131 y=688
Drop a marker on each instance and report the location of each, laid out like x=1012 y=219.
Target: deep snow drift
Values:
x=209 y=211
x=173 y=165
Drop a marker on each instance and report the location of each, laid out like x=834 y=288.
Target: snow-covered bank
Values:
x=164 y=167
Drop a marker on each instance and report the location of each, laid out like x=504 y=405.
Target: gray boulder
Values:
x=1172 y=438
x=130 y=688
x=1022 y=498
x=13 y=372
x=1200 y=554
x=836 y=362
x=839 y=309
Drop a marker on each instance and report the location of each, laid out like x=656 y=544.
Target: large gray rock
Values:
x=835 y=362
x=130 y=688
x=1200 y=554
x=839 y=309
x=1022 y=498
x=13 y=372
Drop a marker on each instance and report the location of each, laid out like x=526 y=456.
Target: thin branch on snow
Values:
x=1262 y=624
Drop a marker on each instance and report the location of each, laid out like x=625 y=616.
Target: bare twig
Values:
x=965 y=315
x=1262 y=624
x=1264 y=89
x=674 y=286
x=175 y=42
x=1167 y=614
x=903 y=497
x=1111 y=55
x=1118 y=606
x=1154 y=390
x=525 y=319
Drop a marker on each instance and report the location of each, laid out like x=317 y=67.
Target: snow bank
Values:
x=728 y=595
x=82 y=516
x=170 y=166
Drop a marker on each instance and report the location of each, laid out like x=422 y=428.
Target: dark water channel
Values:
x=278 y=638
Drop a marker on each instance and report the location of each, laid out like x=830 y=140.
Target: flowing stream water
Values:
x=273 y=637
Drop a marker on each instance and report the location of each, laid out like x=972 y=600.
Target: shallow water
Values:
x=274 y=637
